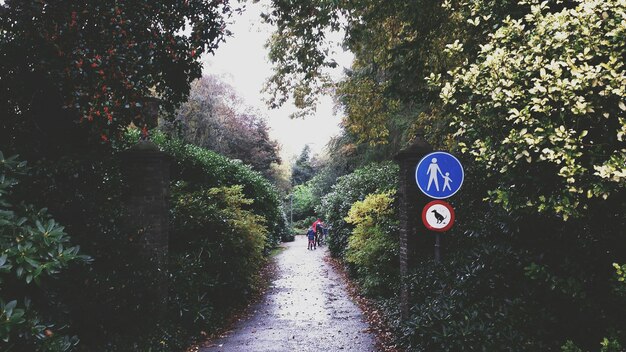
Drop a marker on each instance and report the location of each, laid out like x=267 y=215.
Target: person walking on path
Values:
x=319 y=232
x=311 y=237
x=316 y=225
x=321 y=235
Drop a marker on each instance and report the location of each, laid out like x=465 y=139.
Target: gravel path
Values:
x=306 y=308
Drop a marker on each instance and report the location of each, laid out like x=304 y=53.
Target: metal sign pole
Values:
x=437 y=248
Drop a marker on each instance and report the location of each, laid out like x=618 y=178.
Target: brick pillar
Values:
x=411 y=203
x=146 y=171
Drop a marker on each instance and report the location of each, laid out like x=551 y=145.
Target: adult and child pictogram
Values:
x=439 y=175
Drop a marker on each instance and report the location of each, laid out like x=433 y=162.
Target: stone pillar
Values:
x=146 y=171
x=412 y=202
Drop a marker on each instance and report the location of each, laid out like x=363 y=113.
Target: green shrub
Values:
x=473 y=301
x=374 y=178
x=34 y=248
x=305 y=223
x=542 y=107
x=203 y=169
x=85 y=190
x=286 y=233
x=523 y=284
x=372 y=251
x=308 y=196
x=216 y=252
x=607 y=345
x=302 y=202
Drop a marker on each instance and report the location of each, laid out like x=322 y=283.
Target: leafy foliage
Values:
x=216 y=118
x=350 y=188
x=366 y=105
x=308 y=196
x=396 y=45
x=34 y=249
x=545 y=129
x=203 y=169
x=216 y=253
x=84 y=189
x=302 y=170
x=86 y=192
x=299 y=62
x=97 y=60
x=543 y=111
x=372 y=250
x=303 y=203
x=475 y=293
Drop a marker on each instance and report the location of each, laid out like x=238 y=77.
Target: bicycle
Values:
x=321 y=239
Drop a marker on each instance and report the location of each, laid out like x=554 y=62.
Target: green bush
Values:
x=86 y=192
x=83 y=187
x=524 y=284
x=216 y=252
x=374 y=178
x=542 y=108
x=305 y=223
x=475 y=300
x=203 y=169
x=286 y=233
x=302 y=202
x=373 y=248
x=308 y=196
x=34 y=248
x=607 y=345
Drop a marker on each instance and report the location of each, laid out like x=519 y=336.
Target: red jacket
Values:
x=314 y=225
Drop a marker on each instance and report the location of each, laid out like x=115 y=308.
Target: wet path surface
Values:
x=306 y=309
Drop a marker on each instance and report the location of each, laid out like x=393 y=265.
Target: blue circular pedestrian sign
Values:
x=439 y=175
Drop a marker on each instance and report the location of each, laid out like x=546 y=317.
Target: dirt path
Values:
x=305 y=309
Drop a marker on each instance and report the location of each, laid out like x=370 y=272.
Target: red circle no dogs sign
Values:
x=438 y=216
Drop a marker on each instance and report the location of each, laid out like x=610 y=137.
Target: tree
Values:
x=542 y=110
x=302 y=202
x=216 y=117
x=396 y=44
x=302 y=170
x=93 y=62
x=299 y=51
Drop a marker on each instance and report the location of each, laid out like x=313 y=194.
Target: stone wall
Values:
x=146 y=171
x=411 y=203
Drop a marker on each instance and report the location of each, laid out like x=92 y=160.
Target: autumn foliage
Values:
x=99 y=59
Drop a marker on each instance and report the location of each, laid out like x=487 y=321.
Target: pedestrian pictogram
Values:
x=438 y=216
x=439 y=175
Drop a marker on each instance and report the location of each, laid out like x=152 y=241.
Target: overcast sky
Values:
x=242 y=62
